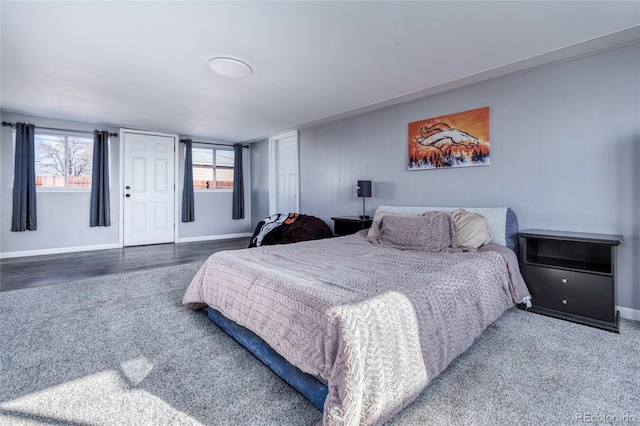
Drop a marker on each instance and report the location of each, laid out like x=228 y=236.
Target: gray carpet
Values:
x=121 y=350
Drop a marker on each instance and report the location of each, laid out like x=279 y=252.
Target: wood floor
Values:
x=35 y=271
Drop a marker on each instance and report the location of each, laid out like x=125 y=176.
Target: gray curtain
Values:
x=24 y=180
x=188 y=207
x=100 y=206
x=238 y=184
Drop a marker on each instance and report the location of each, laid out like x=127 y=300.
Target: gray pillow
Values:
x=432 y=233
x=376 y=223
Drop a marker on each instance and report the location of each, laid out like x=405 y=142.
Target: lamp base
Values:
x=365 y=217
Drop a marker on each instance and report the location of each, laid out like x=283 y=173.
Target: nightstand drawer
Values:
x=571 y=275
x=576 y=282
x=573 y=303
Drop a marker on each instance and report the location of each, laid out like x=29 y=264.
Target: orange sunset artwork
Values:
x=454 y=140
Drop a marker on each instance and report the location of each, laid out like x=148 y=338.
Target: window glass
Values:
x=212 y=168
x=224 y=169
x=63 y=161
x=202 y=160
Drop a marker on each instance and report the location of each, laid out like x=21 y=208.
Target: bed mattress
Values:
x=375 y=322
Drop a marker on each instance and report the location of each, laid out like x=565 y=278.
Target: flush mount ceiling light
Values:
x=229 y=67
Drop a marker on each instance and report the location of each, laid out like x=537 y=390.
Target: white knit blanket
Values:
x=384 y=379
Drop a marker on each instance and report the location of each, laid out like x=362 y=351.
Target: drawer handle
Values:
x=564 y=281
x=565 y=301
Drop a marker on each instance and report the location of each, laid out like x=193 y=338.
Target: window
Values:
x=208 y=176
x=63 y=160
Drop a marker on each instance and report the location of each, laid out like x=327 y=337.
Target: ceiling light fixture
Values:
x=229 y=67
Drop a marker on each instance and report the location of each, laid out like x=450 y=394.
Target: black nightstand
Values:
x=349 y=224
x=571 y=275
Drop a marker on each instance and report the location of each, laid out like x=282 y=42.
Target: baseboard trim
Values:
x=628 y=313
x=57 y=250
x=214 y=237
x=60 y=250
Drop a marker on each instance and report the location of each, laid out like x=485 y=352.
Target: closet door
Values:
x=284 y=196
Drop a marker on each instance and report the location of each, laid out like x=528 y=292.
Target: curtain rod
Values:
x=215 y=144
x=4 y=123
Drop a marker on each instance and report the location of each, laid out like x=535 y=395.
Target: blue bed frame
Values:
x=312 y=387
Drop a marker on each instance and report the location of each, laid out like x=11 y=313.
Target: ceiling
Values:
x=143 y=65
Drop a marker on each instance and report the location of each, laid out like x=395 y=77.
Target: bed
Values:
x=361 y=325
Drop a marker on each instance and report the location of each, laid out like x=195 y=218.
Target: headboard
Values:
x=502 y=221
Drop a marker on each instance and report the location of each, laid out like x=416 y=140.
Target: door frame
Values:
x=273 y=172
x=176 y=144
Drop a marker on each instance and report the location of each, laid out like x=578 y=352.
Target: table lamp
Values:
x=363 y=190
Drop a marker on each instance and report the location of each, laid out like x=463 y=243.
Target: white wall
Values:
x=63 y=217
x=565 y=155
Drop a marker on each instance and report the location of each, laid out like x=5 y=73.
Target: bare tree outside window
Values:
x=63 y=161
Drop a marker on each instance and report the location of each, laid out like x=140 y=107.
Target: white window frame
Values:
x=214 y=149
x=64 y=189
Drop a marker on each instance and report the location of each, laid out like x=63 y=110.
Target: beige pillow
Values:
x=472 y=230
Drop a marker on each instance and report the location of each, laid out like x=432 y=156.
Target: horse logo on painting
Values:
x=450 y=145
x=442 y=136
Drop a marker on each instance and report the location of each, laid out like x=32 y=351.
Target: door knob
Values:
x=127 y=187
x=128 y=195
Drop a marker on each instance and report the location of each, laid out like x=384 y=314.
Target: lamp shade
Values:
x=363 y=188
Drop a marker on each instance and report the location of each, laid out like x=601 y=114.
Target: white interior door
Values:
x=149 y=189
x=284 y=170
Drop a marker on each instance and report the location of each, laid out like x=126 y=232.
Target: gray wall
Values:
x=565 y=149
x=63 y=216
x=213 y=209
x=259 y=181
